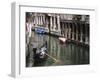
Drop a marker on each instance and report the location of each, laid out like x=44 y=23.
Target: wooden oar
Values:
x=52 y=58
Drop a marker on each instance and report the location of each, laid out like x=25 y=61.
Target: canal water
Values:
x=57 y=53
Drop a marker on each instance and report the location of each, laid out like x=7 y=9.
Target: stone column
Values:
x=81 y=33
x=76 y=32
x=41 y=20
x=46 y=23
x=51 y=22
x=69 y=31
x=73 y=31
x=86 y=35
x=66 y=30
x=58 y=23
x=54 y=23
x=67 y=34
x=36 y=20
x=83 y=18
x=63 y=29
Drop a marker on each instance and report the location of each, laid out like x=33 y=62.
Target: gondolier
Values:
x=34 y=47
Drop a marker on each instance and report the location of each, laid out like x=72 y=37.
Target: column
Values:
x=54 y=23
x=51 y=22
x=58 y=23
x=36 y=20
x=81 y=33
x=86 y=35
x=69 y=31
x=46 y=23
x=66 y=30
x=41 y=20
x=76 y=31
x=73 y=31
x=62 y=29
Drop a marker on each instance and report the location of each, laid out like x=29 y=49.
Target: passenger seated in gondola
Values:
x=43 y=52
x=34 y=46
x=40 y=57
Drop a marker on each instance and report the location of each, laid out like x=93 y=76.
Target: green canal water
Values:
x=59 y=53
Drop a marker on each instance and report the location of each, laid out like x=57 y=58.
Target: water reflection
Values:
x=57 y=53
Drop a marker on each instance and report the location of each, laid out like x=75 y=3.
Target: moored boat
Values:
x=40 y=30
x=62 y=39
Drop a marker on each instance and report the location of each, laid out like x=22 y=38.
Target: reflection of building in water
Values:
x=73 y=27
x=69 y=54
x=54 y=47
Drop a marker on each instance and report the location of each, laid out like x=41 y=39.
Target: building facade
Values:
x=72 y=27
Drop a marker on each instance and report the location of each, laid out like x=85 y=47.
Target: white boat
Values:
x=63 y=39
